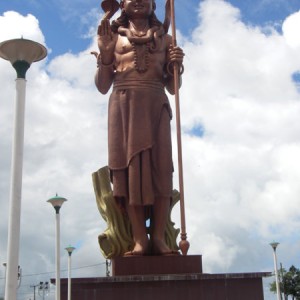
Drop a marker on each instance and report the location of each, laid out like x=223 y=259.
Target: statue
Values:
x=137 y=59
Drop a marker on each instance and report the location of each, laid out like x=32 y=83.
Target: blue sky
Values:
x=265 y=11
x=240 y=106
x=66 y=23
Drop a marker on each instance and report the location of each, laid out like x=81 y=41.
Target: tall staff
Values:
x=183 y=244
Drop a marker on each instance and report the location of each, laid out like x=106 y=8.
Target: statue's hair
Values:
x=124 y=21
x=122 y=4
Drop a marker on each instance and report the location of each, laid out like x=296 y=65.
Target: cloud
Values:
x=239 y=177
x=289 y=28
x=241 y=174
x=17 y=26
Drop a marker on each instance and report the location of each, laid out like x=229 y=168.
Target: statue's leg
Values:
x=136 y=215
x=160 y=216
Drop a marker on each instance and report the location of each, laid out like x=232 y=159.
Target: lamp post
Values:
x=19 y=276
x=69 y=249
x=274 y=246
x=108 y=264
x=4 y=265
x=43 y=289
x=21 y=53
x=34 y=287
x=57 y=202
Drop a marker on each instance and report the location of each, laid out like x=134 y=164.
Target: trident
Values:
x=183 y=244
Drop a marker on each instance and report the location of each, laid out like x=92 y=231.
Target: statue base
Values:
x=236 y=286
x=147 y=265
x=165 y=277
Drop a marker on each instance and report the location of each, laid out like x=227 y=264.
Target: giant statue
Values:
x=135 y=61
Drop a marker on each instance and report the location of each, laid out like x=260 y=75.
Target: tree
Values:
x=289 y=283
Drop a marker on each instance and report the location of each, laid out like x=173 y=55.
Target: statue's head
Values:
x=138 y=5
x=133 y=8
x=110 y=7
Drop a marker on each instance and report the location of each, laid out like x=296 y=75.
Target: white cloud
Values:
x=240 y=176
x=17 y=26
x=290 y=30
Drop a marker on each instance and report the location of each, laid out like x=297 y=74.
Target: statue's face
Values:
x=138 y=8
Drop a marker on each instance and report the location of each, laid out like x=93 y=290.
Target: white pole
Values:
x=57 y=256
x=69 y=249
x=57 y=203
x=11 y=283
x=69 y=277
x=4 y=264
x=276 y=276
x=21 y=53
x=274 y=246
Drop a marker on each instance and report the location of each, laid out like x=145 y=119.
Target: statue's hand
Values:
x=106 y=42
x=176 y=56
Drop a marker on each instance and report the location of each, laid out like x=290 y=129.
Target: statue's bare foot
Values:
x=139 y=249
x=159 y=247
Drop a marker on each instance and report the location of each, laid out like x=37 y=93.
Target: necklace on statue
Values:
x=141 y=56
x=138 y=33
x=141 y=42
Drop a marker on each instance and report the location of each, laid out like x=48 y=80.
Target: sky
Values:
x=240 y=107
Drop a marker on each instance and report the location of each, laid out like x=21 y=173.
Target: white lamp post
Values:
x=4 y=265
x=274 y=246
x=69 y=249
x=57 y=202
x=21 y=53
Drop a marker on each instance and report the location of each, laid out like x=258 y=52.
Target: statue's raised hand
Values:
x=106 y=42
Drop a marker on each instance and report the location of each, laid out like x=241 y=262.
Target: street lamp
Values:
x=108 y=264
x=43 y=289
x=4 y=265
x=274 y=246
x=21 y=53
x=69 y=249
x=34 y=287
x=57 y=202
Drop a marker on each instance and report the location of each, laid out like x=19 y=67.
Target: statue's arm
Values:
x=174 y=56
x=105 y=59
x=104 y=77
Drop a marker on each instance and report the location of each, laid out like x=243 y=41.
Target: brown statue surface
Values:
x=136 y=56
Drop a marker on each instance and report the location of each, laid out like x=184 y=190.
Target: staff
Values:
x=183 y=244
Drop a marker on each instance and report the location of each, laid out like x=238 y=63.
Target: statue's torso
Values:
x=140 y=62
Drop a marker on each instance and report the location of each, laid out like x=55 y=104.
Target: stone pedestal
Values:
x=241 y=286
x=163 y=278
x=149 y=265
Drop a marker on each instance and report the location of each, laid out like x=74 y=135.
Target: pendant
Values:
x=141 y=57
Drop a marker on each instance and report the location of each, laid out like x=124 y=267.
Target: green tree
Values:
x=289 y=283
